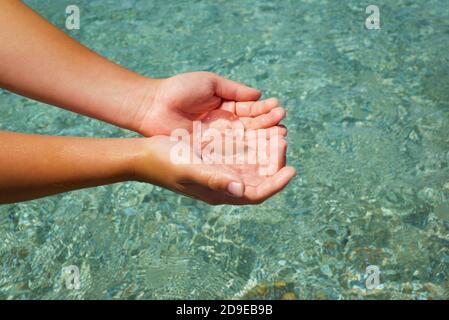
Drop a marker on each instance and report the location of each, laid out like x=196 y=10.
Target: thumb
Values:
x=235 y=91
x=218 y=179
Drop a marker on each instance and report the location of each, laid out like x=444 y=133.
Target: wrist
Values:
x=137 y=103
x=135 y=152
x=152 y=164
x=108 y=160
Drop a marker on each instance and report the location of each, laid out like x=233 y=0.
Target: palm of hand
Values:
x=259 y=162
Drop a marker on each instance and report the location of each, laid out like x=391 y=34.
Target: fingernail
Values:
x=235 y=189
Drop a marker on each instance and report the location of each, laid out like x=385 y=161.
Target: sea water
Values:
x=368 y=121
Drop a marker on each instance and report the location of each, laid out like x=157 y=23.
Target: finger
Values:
x=278 y=154
x=273 y=157
x=228 y=106
x=209 y=196
x=270 y=186
x=252 y=194
x=255 y=108
x=267 y=120
x=280 y=130
x=277 y=151
x=216 y=180
x=252 y=136
x=236 y=91
x=276 y=131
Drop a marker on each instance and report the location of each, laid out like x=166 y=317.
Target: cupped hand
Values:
x=178 y=101
x=218 y=183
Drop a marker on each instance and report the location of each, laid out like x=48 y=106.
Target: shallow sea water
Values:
x=368 y=119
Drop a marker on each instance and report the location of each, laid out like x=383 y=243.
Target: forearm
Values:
x=39 y=61
x=33 y=166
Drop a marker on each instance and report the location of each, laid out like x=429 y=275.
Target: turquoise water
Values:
x=368 y=119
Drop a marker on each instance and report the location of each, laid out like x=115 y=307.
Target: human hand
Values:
x=217 y=183
x=176 y=102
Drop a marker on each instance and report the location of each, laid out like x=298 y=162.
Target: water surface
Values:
x=368 y=119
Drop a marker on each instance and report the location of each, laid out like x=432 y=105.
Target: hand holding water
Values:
x=57 y=70
x=176 y=102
